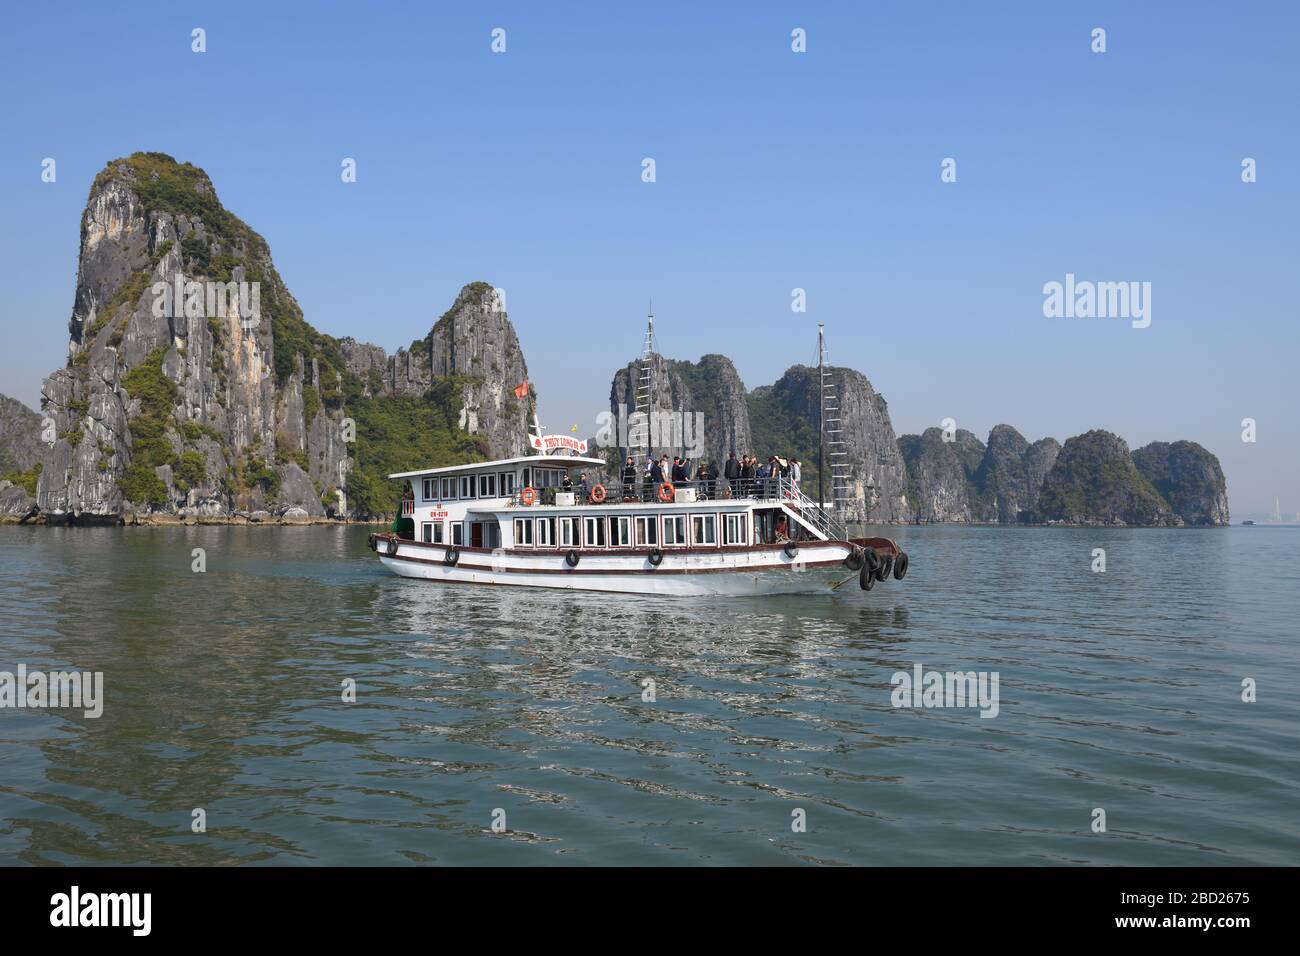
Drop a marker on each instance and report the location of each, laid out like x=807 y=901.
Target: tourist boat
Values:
x=534 y=521
x=507 y=522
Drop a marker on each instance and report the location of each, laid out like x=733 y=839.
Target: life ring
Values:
x=791 y=550
x=597 y=494
x=451 y=557
x=655 y=558
x=572 y=558
x=392 y=547
x=900 y=566
x=855 y=560
x=528 y=497
x=867 y=577
x=666 y=493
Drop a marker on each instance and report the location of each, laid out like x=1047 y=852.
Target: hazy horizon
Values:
x=775 y=171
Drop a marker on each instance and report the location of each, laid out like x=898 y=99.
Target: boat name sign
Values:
x=556 y=442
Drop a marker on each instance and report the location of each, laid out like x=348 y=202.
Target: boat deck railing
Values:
x=777 y=490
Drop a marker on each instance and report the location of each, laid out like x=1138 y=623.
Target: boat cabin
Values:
x=521 y=504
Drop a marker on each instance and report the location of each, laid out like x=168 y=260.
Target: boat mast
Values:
x=830 y=433
x=821 y=422
x=645 y=384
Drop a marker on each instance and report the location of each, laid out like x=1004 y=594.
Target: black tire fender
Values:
x=451 y=557
x=900 y=566
x=572 y=558
x=392 y=547
x=855 y=560
x=791 y=550
x=886 y=565
x=655 y=558
x=867 y=577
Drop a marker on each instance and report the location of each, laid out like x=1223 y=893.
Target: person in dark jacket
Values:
x=731 y=471
x=629 y=477
x=707 y=477
x=656 y=475
x=679 y=471
x=747 y=476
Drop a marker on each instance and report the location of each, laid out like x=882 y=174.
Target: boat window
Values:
x=487 y=486
x=704 y=530
x=734 y=527
x=620 y=531
x=467 y=486
x=546 y=532
x=448 y=489
x=647 y=530
x=506 y=483
x=429 y=486
x=674 y=530
x=426 y=532
x=593 y=532
x=458 y=533
x=523 y=533
x=566 y=532
x=438 y=532
x=493 y=535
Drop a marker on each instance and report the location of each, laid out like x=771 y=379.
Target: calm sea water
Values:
x=1119 y=691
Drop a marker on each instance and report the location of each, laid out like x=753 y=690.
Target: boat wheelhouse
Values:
x=530 y=521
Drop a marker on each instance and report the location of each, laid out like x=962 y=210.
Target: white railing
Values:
x=815 y=514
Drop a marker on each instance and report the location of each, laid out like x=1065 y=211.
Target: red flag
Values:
x=521 y=390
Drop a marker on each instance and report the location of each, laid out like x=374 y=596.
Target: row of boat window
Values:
x=604 y=531
x=500 y=484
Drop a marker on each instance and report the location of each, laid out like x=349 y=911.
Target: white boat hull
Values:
x=817 y=568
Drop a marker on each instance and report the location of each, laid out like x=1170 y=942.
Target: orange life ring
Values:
x=528 y=496
x=597 y=494
x=666 y=493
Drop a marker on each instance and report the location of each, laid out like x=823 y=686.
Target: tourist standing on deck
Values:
x=747 y=476
x=731 y=471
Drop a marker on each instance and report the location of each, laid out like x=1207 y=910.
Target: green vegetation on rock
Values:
x=401 y=433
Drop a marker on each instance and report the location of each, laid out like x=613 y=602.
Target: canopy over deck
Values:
x=539 y=461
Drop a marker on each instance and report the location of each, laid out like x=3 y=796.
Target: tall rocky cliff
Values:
x=187 y=405
x=778 y=419
x=785 y=417
x=20 y=457
x=1091 y=480
x=941 y=476
x=704 y=401
x=1189 y=478
x=1095 y=481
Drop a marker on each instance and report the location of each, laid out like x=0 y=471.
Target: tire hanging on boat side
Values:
x=656 y=556
x=886 y=565
x=900 y=566
x=867 y=577
x=855 y=560
x=451 y=557
x=572 y=558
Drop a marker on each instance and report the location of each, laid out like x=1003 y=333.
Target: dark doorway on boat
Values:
x=476 y=534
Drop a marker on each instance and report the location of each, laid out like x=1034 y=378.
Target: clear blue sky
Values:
x=775 y=171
